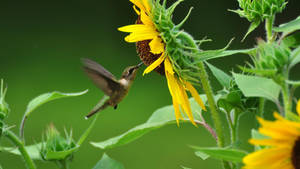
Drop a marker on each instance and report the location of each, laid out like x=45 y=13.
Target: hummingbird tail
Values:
x=97 y=108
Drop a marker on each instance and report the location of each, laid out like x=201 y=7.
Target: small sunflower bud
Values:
x=258 y=10
x=55 y=145
x=272 y=56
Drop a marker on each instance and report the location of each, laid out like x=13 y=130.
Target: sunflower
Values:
x=282 y=145
x=151 y=47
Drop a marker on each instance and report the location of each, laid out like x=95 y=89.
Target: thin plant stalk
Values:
x=20 y=145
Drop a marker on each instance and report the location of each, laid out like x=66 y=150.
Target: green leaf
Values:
x=47 y=97
x=252 y=27
x=289 y=27
x=107 y=163
x=213 y=54
x=159 y=118
x=226 y=154
x=253 y=86
x=231 y=101
x=292 y=41
x=221 y=76
x=51 y=155
x=295 y=57
x=42 y=99
x=33 y=151
x=183 y=167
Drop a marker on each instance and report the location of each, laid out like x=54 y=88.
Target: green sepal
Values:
x=213 y=54
x=251 y=28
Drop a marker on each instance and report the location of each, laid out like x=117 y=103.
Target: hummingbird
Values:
x=115 y=89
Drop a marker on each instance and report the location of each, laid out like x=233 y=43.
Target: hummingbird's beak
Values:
x=139 y=65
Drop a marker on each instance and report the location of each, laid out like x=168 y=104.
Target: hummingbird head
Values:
x=130 y=72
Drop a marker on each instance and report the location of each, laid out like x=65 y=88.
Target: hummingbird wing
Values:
x=101 y=77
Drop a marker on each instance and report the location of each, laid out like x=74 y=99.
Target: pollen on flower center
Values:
x=296 y=154
x=143 y=50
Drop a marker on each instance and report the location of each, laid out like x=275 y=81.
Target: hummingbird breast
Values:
x=118 y=96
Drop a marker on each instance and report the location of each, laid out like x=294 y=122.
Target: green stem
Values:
x=215 y=113
x=212 y=105
x=213 y=108
x=286 y=98
x=232 y=128
x=14 y=139
x=269 y=27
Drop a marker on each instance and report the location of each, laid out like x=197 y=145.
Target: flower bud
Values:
x=258 y=10
x=56 y=148
x=271 y=56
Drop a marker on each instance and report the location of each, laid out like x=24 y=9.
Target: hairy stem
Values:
x=20 y=145
x=269 y=27
x=232 y=128
x=215 y=113
x=286 y=98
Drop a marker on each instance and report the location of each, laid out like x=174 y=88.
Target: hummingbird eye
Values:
x=130 y=71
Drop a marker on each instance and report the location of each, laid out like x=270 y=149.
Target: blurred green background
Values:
x=41 y=43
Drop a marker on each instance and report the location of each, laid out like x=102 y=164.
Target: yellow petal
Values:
x=138 y=4
x=287 y=122
x=185 y=102
x=266 y=157
x=195 y=95
x=136 y=10
x=147 y=6
x=155 y=64
x=272 y=142
x=278 y=129
x=173 y=88
x=168 y=66
x=156 y=46
x=136 y=37
x=146 y=20
x=137 y=28
x=177 y=111
x=298 y=107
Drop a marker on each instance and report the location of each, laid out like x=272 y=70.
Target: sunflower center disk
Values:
x=296 y=154
x=143 y=50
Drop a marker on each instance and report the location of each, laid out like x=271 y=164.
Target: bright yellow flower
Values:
x=145 y=30
x=283 y=145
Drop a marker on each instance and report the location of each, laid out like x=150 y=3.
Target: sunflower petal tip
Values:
x=177 y=121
